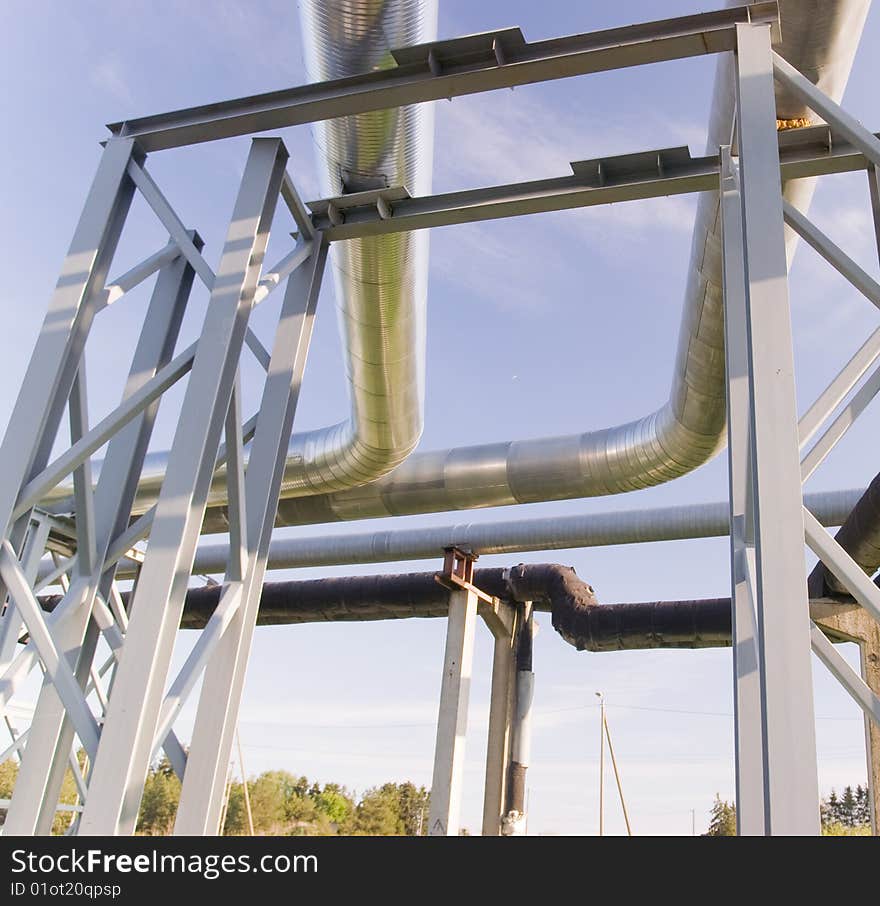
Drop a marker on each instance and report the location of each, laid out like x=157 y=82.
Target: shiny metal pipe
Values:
x=818 y=37
x=381 y=289
x=380 y=282
x=702 y=520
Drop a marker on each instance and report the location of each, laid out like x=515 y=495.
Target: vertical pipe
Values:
x=521 y=745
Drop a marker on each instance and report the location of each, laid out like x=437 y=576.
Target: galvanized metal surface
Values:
x=819 y=38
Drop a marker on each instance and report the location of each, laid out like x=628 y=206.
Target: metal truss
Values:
x=93 y=705
x=122 y=711
x=771 y=453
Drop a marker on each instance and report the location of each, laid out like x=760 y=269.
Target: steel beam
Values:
x=830 y=111
x=857 y=688
x=217 y=716
x=837 y=391
x=791 y=791
x=127 y=738
x=447 y=785
x=748 y=691
x=39 y=783
x=448 y=69
x=835 y=256
x=55 y=360
x=803 y=153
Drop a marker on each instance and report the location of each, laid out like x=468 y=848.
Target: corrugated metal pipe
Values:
x=381 y=290
x=543 y=533
x=820 y=38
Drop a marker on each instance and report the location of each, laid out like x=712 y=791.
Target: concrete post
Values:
x=448 y=780
x=500 y=714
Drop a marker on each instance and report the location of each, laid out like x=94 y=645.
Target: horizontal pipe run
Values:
x=704 y=520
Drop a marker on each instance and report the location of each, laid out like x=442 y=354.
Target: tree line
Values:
x=281 y=804
x=847 y=815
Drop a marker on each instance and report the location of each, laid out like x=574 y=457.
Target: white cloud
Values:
x=108 y=75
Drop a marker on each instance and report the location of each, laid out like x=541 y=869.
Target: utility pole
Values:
x=616 y=772
x=601 y=764
x=244 y=783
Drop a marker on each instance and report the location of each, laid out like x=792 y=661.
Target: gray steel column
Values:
x=204 y=782
x=38 y=785
x=127 y=739
x=55 y=359
x=35 y=418
x=748 y=689
x=792 y=794
x=444 y=819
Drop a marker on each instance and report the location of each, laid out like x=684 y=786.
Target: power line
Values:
x=424 y=724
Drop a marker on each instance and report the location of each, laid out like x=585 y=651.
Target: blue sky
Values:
x=552 y=324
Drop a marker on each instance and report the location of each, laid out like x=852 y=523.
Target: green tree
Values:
x=235 y=822
x=830 y=809
x=159 y=802
x=723 y=820
x=415 y=803
x=335 y=803
x=848 y=807
x=863 y=806
x=8 y=773
x=392 y=810
x=378 y=813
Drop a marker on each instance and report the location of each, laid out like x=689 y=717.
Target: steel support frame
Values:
x=766 y=571
x=64 y=642
x=466 y=603
x=126 y=745
x=771 y=454
x=766 y=495
x=257 y=502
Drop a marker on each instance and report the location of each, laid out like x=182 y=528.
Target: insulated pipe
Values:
x=676 y=523
x=514 y=822
x=702 y=520
x=576 y=614
x=380 y=282
x=381 y=288
x=859 y=536
x=820 y=38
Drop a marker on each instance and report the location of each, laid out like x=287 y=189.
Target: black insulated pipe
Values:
x=859 y=536
x=576 y=614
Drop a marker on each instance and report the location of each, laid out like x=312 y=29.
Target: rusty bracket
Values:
x=458 y=574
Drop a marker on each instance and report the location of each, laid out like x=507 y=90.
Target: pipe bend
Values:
x=820 y=38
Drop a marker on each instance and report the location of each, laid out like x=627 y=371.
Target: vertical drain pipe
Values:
x=514 y=824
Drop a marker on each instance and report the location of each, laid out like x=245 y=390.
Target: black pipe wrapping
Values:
x=576 y=614
x=859 y=536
